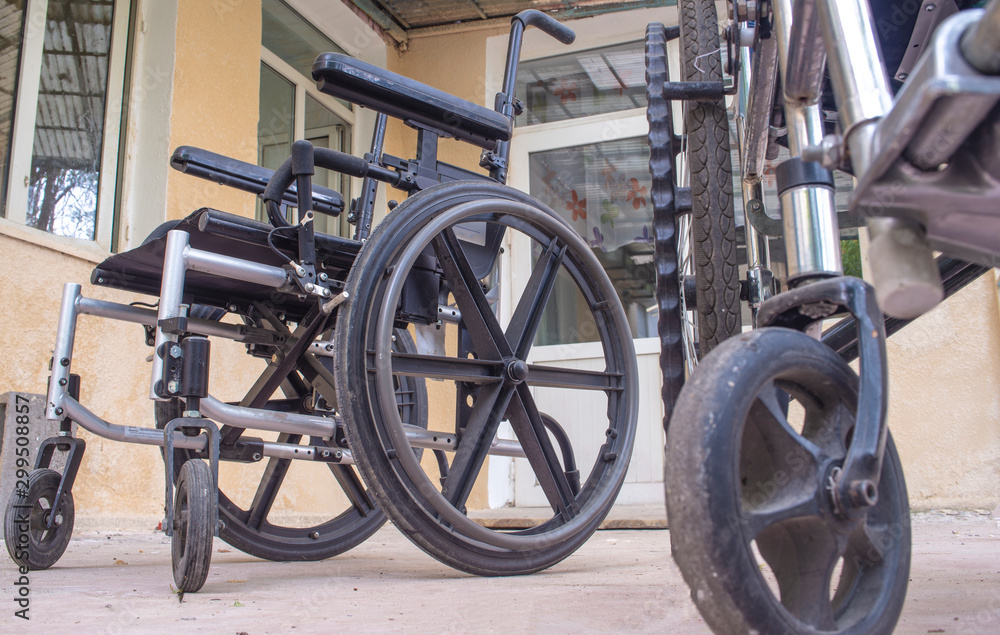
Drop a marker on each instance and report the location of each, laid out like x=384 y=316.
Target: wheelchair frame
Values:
x=280 y=279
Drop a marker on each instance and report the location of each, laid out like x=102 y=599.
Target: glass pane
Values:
x=602 y=189
x=292 y=38
x=69 y=123
x=582 y=84
x=327 y=130
x=276 y=126
x=11 y=20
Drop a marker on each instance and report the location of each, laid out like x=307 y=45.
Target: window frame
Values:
x=23 y=133
x=306 y=87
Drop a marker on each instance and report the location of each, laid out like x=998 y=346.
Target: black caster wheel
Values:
x=249 y=522
x=28 y=541
x=759 y=431
x=191 y=542
x=434 y=255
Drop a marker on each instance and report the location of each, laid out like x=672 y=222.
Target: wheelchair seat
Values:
x=401 y=97
x=140 y=269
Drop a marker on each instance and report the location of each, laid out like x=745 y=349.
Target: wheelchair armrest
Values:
x=247 y=177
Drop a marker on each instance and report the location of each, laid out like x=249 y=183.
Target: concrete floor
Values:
x=620 y=581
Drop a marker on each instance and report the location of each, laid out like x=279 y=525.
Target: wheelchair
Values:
x=786 y=499
x=389 y=358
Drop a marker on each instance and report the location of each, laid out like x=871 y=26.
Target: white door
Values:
x=595 y=174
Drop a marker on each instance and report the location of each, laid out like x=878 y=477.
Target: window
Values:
x=290 y=106
x=60 y=113
x=582 y=84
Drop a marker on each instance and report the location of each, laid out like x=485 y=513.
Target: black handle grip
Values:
x=551 y=26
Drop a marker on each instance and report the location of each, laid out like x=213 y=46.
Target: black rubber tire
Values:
x=28 y=542
x=741 y=477
x=191 y=542
x=713 y=224
x=410 y=496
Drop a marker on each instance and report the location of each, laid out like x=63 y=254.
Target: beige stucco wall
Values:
x=216 y=91
x=944 y=401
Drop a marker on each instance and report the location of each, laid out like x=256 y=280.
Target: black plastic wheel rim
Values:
x=42 y=538
x=574 y=514
x=828 y=571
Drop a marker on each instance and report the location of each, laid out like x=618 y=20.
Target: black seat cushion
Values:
x=398 y=96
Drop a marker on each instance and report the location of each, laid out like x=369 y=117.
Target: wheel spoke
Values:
x=475 y=440
x=484 y=329
x=537 y=446
x=555 y=377
x=782 y=440
x=475 y=371
x=803 y=554
x=270 y=483
x=528 y=313
x=353 y=488
x=778 y=510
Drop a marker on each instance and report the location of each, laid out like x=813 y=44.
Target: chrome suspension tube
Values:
x=906 y=280
x=808 y=211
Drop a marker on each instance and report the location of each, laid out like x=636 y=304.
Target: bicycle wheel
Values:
x=247 y=526
x=713 y=226
x=753 y=526
x=488 y=375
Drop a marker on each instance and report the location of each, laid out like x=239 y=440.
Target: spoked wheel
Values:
x=29 y=540
x=252 y=527
x=191 y=542
x=753 y=525
x=431 y=247
x=709 y=164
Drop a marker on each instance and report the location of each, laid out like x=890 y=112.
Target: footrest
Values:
x=398 y=96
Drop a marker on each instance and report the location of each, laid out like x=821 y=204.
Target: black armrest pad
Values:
x=246 y=176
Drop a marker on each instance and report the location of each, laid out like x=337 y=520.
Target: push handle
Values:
x=547 y=24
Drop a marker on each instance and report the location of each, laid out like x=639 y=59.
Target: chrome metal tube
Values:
x=808 y=213
x=806 y=59
x=859 y=80
x=981 y=43
x=256 y=419
x=219 y=265
x=62 y=354
x=171 y=292
x=757 y=102
x=147 y=317
x=129 y=434
x=813 y=244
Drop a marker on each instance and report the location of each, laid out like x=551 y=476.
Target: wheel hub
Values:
x=517 y=371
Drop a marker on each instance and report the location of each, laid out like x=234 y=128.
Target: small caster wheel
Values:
x=191 y=544
x=29 y=542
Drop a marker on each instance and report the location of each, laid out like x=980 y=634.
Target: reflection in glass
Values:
x=11 y=20
x=581 y=84
x=69 y=122
x=602 y=190
x=293 y=38
x=324 y=129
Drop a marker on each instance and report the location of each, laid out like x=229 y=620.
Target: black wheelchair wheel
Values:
x=753 y=527
x=29 y=542
x=191 y=540
x=249 y=528
x=428 y=253
x=713 y=227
